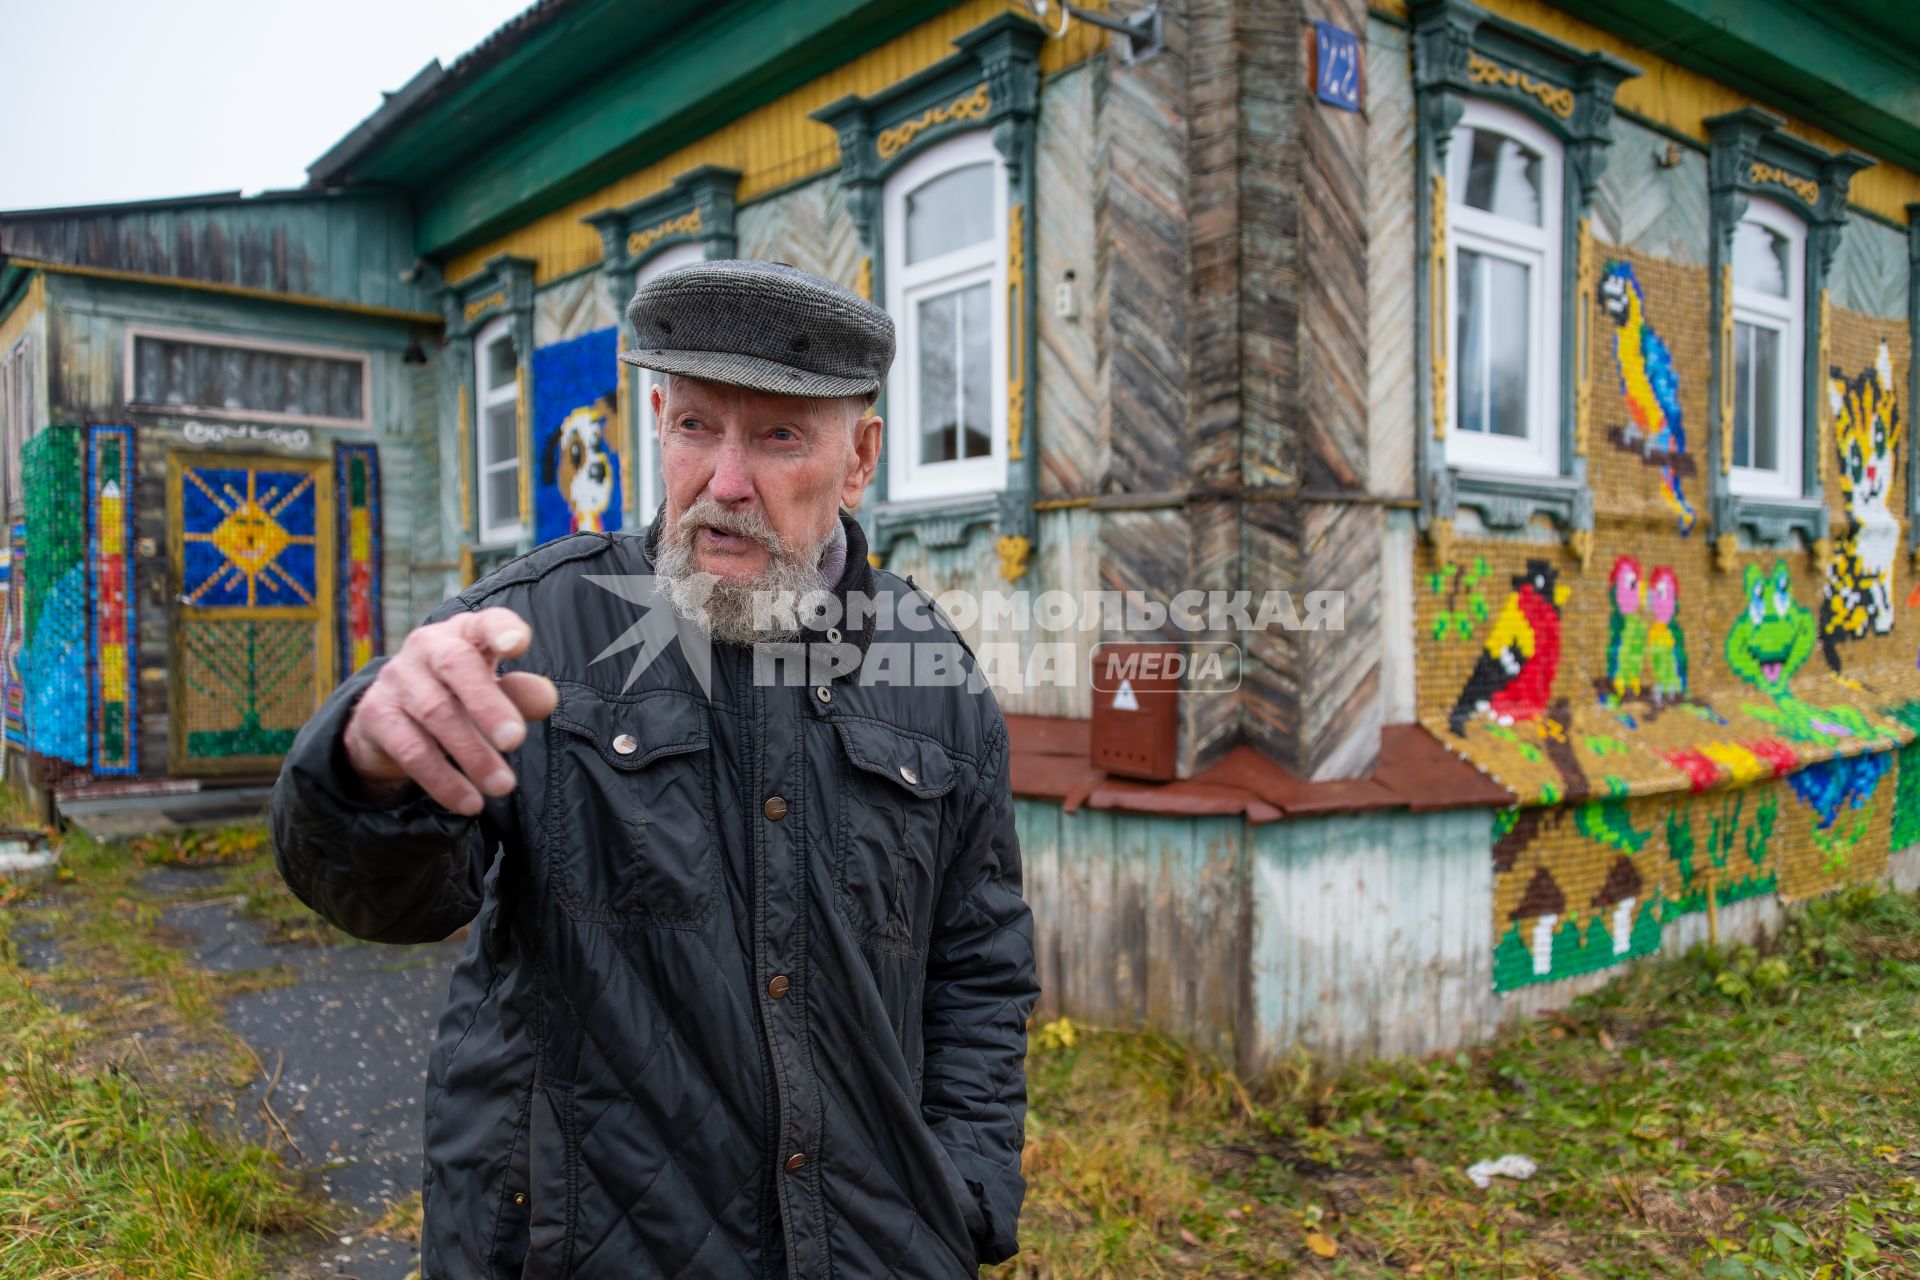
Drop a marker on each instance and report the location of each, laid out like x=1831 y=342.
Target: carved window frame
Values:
x=502 y=290
x=1750 y=154
x=984 y=262
x=697 y=209
x=1462 y=52
x=992 y=83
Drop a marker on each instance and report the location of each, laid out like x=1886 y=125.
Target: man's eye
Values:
x=691 y=424
x=785 y=433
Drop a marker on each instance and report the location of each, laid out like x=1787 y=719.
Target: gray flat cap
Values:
x=764 y=325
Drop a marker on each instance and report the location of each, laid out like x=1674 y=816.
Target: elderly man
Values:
x=747 y=984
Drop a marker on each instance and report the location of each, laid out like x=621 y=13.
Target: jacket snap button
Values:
x=912 y=778
x=833 y=635
x=520 y=1197
x=625 y=744
x=823 y=693
x=775 y=808
x=778 y=987
x=795 y=1160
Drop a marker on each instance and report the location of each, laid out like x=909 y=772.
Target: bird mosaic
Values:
x=1666 y=640
x=1651 y=387
x=1512 y=680
x=1626 y=629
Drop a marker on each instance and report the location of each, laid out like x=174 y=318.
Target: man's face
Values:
x=749 y=464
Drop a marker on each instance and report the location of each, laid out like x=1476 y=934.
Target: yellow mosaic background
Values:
x=1644 y=797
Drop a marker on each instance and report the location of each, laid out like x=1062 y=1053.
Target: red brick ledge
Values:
x=1050 y=761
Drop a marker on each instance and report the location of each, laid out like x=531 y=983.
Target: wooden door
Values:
x=251 y=545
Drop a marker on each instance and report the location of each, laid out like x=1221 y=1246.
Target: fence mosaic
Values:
x=357 y=539
x=53 y=658
x=116 y=720
x=578 y=440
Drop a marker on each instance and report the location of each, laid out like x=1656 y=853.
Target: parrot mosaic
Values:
x=1666 y=642
x=1651 y=386
x=1513 y=678
x=1626 y=629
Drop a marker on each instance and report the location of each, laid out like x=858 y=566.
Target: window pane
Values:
x=938 y=332
x=976 y=364
x=951 y=212
x=499 y=363
x=1509 y=330
x=503 y=495
x=1494 y=172
x=1471 y=323
x=1494 y=300
x=1766 y=399
x=210 y=375
x=498 y=440
x=1742 y=395
x=1761 y=259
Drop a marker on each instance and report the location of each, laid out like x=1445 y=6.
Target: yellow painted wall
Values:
x=1680 y=99
x=773 y=145
x=22 y=315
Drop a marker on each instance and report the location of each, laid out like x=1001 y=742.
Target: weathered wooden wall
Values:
x=345 y=246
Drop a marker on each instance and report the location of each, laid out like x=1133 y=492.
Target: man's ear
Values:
x=868 y=435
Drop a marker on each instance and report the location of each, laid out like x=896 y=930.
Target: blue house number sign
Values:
x=1336 y=60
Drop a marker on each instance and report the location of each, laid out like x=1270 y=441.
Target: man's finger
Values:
x=466 y=671
x=409 y=747
x=443 y=715
x=534 y=695
x=500 y=632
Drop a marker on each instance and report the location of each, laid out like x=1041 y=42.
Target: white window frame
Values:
x=648 y=489
x=1787 y=317
x=495 y=528
x=908 y=479
x=1538 y=249
x=208 y=338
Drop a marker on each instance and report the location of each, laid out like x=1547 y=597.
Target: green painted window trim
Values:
x=709 y=191
x=1741 y=144
x=883 y=131
x=1569 y=92
x=502 y=287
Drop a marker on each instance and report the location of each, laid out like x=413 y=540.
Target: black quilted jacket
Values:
x=747 y=985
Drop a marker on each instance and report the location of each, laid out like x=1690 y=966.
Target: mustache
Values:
x=710 y=514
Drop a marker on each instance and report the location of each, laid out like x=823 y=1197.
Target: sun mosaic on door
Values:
x=250 y=593
x=1682 y=738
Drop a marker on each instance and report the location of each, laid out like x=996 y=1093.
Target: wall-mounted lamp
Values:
x=1141 y=30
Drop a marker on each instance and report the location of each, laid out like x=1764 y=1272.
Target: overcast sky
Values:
x=117 y=100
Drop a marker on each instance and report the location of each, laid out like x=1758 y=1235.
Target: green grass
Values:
x=1723 y=1116
x=120 y=1152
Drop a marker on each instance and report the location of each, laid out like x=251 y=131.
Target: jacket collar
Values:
x=857 y=579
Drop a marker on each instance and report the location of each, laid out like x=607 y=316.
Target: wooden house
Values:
x=1568 y=347
x=220 y=451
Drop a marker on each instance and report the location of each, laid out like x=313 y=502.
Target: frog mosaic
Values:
x=1770 y=641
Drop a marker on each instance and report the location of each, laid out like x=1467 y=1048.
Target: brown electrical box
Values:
x=1136 y=708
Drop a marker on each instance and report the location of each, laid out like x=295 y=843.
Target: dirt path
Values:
x=349 y=1036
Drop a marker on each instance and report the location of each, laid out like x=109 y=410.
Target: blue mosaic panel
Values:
x=248 y=538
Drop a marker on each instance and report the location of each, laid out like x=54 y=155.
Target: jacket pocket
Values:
x=888 y=835
x=630 y=823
